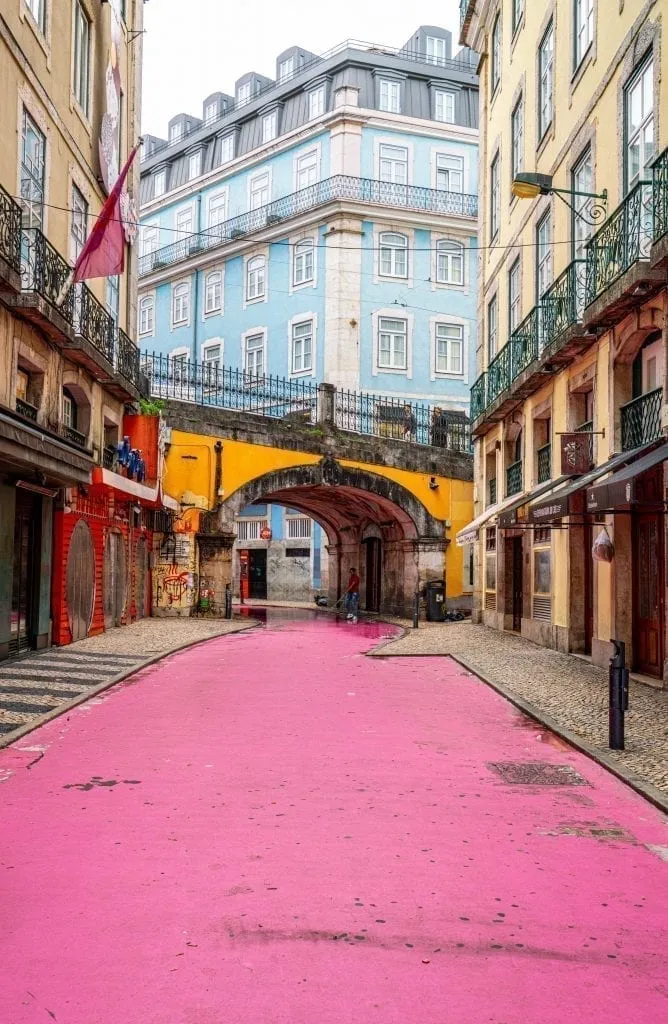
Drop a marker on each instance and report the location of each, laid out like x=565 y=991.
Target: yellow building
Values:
x=569 y=407
x=69 y=116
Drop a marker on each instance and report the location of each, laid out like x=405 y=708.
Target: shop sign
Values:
x=575 y=454
x=265 y=533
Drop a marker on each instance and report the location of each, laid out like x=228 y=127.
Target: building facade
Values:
x=319 y=226
x=74 y=520
x=569 y=406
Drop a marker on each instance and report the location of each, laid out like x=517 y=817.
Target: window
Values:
x=492 y=328
x=545 y=81
x=514 y=295
x=392 y=344
x=211 y=111
x=213 y=292
x=255 y=278
x=81 y=82
x=159 y=183
x=259 y=191
x=181 y=303
x=449 y=172
x=175 y=132
x=517 y=138
x=286 y=69
x=390 y=96
x=303 y=263
x=148 y=240
x=436 y=50
x=583 y=28
x=38 y=10
x=543 y=255
x=394 y=164
x=212 y=354
x=33 y=156
x=449 y=262
x=79 y=222
x=393 y=255
x=69 y=410
x=113 y=296
x=449 y=348
x=496 y=54
x=217 y=209
x=226 y=149
x=517 y=14
x=316 y=102
x=270 y=126
x=640 y=125
x=194 y=165
x=582 y=178
x=146 y=314
x=494 y=198
x=184 y=222
x=243 y=94
x=306 y=170
x=444 y=106
x=254 y=355
x=302 y=347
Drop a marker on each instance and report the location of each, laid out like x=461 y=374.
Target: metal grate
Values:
x=536 y=773
x=490 y=602
x=542 y=609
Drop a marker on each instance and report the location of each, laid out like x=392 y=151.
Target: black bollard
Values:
x=228 y=602
x=416 y=610
x=618 y=695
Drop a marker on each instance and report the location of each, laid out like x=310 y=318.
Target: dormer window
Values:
x=227 y=149
x=270 y=126
x=243 y=94
x=159 y=183
x=390 y=96
x=194 y=165
x=436 y=50
x=286 y=69
x=211 y=111
x=175 y=132
x=444 y=106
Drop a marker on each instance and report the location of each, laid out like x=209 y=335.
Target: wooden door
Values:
x=80 y=581
x=648 y=576
x=25 y=580
x=588 y=588
x=114 y=581
x=373 y=574
x=518 y=584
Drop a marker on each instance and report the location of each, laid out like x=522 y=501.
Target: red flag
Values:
x=104 y=249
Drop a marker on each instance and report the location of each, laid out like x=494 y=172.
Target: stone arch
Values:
x=631 y=338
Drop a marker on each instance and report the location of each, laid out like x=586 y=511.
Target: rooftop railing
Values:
x=338 y=187
x=624 y=238
x=10 y=231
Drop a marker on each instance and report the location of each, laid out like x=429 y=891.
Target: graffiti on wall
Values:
x=175 y=577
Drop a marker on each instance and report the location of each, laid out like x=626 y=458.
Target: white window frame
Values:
x=256 y=332
x=252 y=192
x=546 y=81
x=514 y=295
x=492 y=328
x=211 y=112
x=300 y=251
x=451 y=164
x=225 y=140
x=217 y=202
x=391 y=314
x=582 y=177
x=444 y=106
x=517 y=15
x=210 y=307
x=255 y=278
x=389 y=95
x=244 y=94
x=37 y=9
x=459 y=325
x=309 y=162
x=176 y=131
x=184 y=214
x=146 y=305
x=495 y=61
x=316 y=102
x=159 y=177
x=384 y=148
x=194 y=165
x=495 y=196
x=33 y=166
x=517 y=137
x=78 y=222
x=69 y=410
x=82 y=51
x=583 y=30
x=212 y=343
x=544 y=262
x=450 y=253
x=435 y=43
x=269 y=126
x=300 y=321
x=148 y=234
x=638 y=79
x=289 y=65
x=387 y=244
x=186 y=296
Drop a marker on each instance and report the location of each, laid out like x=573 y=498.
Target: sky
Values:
x=195 y=47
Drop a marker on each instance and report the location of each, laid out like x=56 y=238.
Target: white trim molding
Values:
x=437 y=285
x=454 y=321
x=302 y=318
x=389 y=140
x=177 y=325
x=253 y=254
x=217 y=268
x=251 y=333
x=393 y=313
x=293 y=242
x=389 y=229
x=210 y=343
x=146 y=295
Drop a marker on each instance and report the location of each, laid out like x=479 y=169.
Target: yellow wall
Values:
x=190 y=467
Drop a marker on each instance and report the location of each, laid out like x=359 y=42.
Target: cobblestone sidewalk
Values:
x=566 y=692
x=36 y=686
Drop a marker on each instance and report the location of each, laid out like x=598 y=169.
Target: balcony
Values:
x=619 y=274
x=659 y=251
x=499 y=374
x=479 y=396
x=108 y=456
x=10 y=243
x=72 y=435
x=525 y=343
x=340 y=188
x=491 y=491
x=641 y=420
x=544 y=463
x=26 y=410
x=562 y=307
x=514 y=478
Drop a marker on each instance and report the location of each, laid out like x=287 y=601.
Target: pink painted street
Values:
x=273 y=827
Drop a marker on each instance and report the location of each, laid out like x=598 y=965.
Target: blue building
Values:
x=321 y=225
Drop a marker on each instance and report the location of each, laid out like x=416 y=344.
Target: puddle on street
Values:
x=540 y=733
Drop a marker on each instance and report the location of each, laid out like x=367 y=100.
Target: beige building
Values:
x=69 y=116
x=569 y=410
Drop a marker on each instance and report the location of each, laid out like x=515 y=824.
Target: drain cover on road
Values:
x=537 y=773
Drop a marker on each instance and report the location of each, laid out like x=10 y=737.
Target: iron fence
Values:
x=10 y=231
x=338 y=187
x=624 y=238
x=109 y=456
x=24 y=408
x=221 y=387
x=401 y=419
x=544 y=463
x=563 y=303
x=479 y=396
x=641 y=420
x=499 y=375
x=660 y=195
x=93 y=322
x=127 y=358
x=75 y=436
x=44 y=271
x=525 y=343
x=514 y=478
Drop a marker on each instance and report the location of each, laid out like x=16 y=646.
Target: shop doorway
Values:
x=517 y=583
x=588 y=588
x=114 y=580
x=257 y=573
x=24 y=574
x=80 y=581
x=373 y=574
x=648 y=577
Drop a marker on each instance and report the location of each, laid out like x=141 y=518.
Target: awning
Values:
x=128 y=489
x=557 y=503
x=515 y=513
x=470 y=533
x=620 y=489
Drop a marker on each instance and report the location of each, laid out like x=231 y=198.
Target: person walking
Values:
x=353 y=596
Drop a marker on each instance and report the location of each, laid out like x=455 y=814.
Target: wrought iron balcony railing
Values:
x=109 y=456
x=10 y=231
x=491 y=491
x=563 y=303
x=127 y=358
x=24 y=408
x=587 y=428
x=641 y=420
x=75 y=436
x=660 y=195
x=44 y=271
x=624 y=238
x=93 y=322
x=338 y=187
x=514 y=478
x=479 y=396
x=499 y=374
x=544 y=463
x=525 y=343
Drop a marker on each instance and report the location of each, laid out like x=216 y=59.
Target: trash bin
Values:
x=435 y=596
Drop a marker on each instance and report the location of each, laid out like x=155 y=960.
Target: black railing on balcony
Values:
x=514 y=478
x=339 y=187
x=544 y=463
x=24 y=408
x=641 y=420
x=109 y=456
x=93 y=322
x=401 y=419
x=44 y=271
x=660 y=195
x=127 y=358
x=563 y=303
x=499 y=375
x=587 y=428
x=479 y=396
x=491 y=491
x=624 y=238
x=10 y=231
x=75 y=436
x=525 y=343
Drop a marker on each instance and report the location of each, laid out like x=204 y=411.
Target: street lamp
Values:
x=530 y=185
